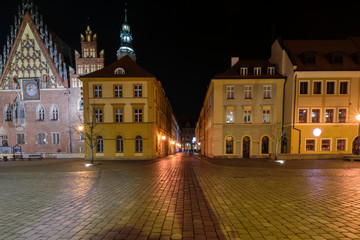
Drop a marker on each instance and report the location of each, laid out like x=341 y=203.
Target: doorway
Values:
x=355 y=146
x=246 y=147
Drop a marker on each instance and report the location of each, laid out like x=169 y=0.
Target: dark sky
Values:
x=185 y=43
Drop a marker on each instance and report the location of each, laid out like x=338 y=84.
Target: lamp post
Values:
x=358 y=135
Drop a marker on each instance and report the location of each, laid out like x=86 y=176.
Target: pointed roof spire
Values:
x=125 y=40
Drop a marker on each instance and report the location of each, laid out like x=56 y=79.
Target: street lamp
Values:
x=80 y=128
x=317 y=132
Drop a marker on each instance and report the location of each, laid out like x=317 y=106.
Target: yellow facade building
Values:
x=133 y=117
x=321 y=95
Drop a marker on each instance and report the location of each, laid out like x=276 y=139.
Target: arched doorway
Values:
x=265 y=145
x=246 y=147
x=229 y=145
x=355 y=146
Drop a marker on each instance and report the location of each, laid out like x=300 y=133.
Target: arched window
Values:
x=119 y=71
x=265 y=145
x=138 y=144
x=119 y=144
x=99 y=144
x=22 y=112
x=81 y=105
x=41 y=113
x=229 y=145
x=54 y=113
x=8 y=114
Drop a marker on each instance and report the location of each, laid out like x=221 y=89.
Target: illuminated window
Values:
x=80 y=69
x=271 y=70
x=229 y=116
x=93 y=68
x=341 y=144
x=92 y=52
x=317 y=87
x=230 y=92
x=41 y=138
x=310 y=144
x=244 y=71
x=329 y=115
x=302 y=115
x=315 y=115
x=342 y=116
x=248 y=92
x=119 y=71
x=86 y=53
x=304 y=87
x=119 y=144
x=325 y=144
x=86 y=69
x=266 y=116
x=74 y=82
x=267 y=92
x=229 y=145
x=257 y=71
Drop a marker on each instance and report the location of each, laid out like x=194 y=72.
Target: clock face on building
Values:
x=31 y=89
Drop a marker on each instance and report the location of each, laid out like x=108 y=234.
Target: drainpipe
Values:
x=294 y=111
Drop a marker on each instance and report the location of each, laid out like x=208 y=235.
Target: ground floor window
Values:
x=119 y=144
x=99 y=144
x=41 y=138
x=20 y=138
x=310 y=144
x=229 y=145
x=325 y=144
x=265 y=145
x=341 y=144
x=55 y=138
x=138 y=144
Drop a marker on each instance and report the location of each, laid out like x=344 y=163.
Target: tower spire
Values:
x=125 y=40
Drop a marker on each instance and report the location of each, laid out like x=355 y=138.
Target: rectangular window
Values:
x=230 y=92
x=81 y=137
x=271 y=70
x=41 y=138
x=97 y=91
x=248 y=92
x=342 y=116
x=80 y=69
x=266 y=116
x=257 y=71
x=325 y=144
x=74 y=82
x=317 y=87
x=247 y=116
x=86 y=52
x=229 y=116
x=86 y=69
x=99 y=67
x=244 y=71
x=55 y=138
x=93 y=68
x=304 y=87
x=315 y=115
x=344 y=88
x=329 y=115
x=98 y=115
x=119 y=115
x=138 y=91
x=138 y=115
x=20 y=138
x=310 y=144
x=302 y=115
x=330 y=87
x=267 y=92
x=341 y=144
x=92 y=52
x=118 y=91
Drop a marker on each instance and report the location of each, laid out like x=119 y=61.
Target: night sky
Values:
x=185 y=43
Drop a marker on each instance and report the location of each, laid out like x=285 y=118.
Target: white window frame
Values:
x=330 y=145
x=97 y=91
x=118 y=91
x=138 y=90
x=40 y=113
x=266 y=115
x=307 y=115
x=313 y=87
x=348 y=87
x=257 y=71
x=55 y=138
x=326 y=88
x=346 y=140
x=119 y=117
x=308 y=87
x=306 y=139
x=230 y=115
x=244 y=71
x=334 y=115
x=119 y=144
x=271 y=70
x=320 y=115
x=54 y=113
x=230 y=92
x=248 y=91
x=41 y=141
x=23 y=138
x=267 y=92
x=139 y=144
x=347 y=114
x=138 y=115
x=99 y=115
x=247 y=116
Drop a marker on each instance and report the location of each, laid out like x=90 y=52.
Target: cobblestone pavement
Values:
x=180 y=197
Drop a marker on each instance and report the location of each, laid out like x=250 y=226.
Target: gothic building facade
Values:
x=39 y=90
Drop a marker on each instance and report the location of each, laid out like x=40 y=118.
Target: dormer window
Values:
x=336 y=58
x=257 y=71
x=244 y=71
x=119 y=71
x=308 y=58
x=271 y=70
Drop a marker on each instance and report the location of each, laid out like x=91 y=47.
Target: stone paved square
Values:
x=182 y=196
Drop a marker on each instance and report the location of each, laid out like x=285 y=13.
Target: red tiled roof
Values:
x=126 y=63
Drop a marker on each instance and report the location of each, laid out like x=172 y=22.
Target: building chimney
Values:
x=234 y=60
